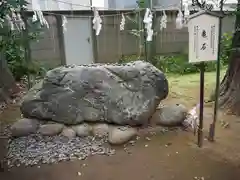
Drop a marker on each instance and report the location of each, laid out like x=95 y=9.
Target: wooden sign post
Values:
x=203 y=28
x=215 y=113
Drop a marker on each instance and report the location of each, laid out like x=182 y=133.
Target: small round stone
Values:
x=51 y=129
x=69 y=133
x=120 y=135
x=82 y=130
x=24 y=127
x=100 y=130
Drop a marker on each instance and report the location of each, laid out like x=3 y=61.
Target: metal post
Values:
x=200 y=128
x=212 y=126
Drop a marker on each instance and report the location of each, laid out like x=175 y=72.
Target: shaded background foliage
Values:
x=13 y=47
x=13 y=42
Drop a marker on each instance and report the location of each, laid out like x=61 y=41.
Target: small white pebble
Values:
x=79 y=173
x=176 y=152
x=131 y=142
x=146 y=145
x=147 y=138
x=153 y=133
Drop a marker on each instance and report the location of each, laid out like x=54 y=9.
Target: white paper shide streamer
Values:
x=64 y=23
x=186 y=14
x=148 y=24
x=34 y=17
x=15 y=21
x=41 y=18
x=186 y=10
x=163 y=21
x=20 y=22
x=179 y=20
x=192 y=119
x=122 y=24
x=10 y=22
x=97 y=22
x=38 y=15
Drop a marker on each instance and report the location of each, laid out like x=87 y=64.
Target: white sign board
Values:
x=203 y=38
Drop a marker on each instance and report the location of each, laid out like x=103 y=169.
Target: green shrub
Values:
x=15 y=55
x=226 y=47
x=179 y=64
x=12 y=44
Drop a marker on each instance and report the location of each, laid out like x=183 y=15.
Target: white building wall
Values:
x=56 y=5
x=167 y=4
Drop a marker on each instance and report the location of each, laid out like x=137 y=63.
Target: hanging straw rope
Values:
x=131 y=10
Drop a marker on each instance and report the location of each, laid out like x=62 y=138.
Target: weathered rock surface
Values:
x=68 y=132
x=171 y=115
x=51 y=129
x=121 y=135
x=24 y=127
x=82 y=130
x=121 y=94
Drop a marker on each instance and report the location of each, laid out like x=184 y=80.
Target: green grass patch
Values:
x=186 y=87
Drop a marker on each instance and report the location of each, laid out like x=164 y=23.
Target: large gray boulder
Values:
x=125 y=94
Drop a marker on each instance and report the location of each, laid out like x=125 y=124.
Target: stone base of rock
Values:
x=116 y=134
x=82 y=130
x=51 y=129
x=121 y=135
x=24 y=127
x=69 y=133
x=168 y=115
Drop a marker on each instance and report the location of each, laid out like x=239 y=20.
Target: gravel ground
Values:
x=36 y=149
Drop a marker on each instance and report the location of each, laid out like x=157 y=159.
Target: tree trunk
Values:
x=230 y=85
x=7 y=82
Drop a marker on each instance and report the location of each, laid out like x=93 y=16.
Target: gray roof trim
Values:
x=211 y=13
